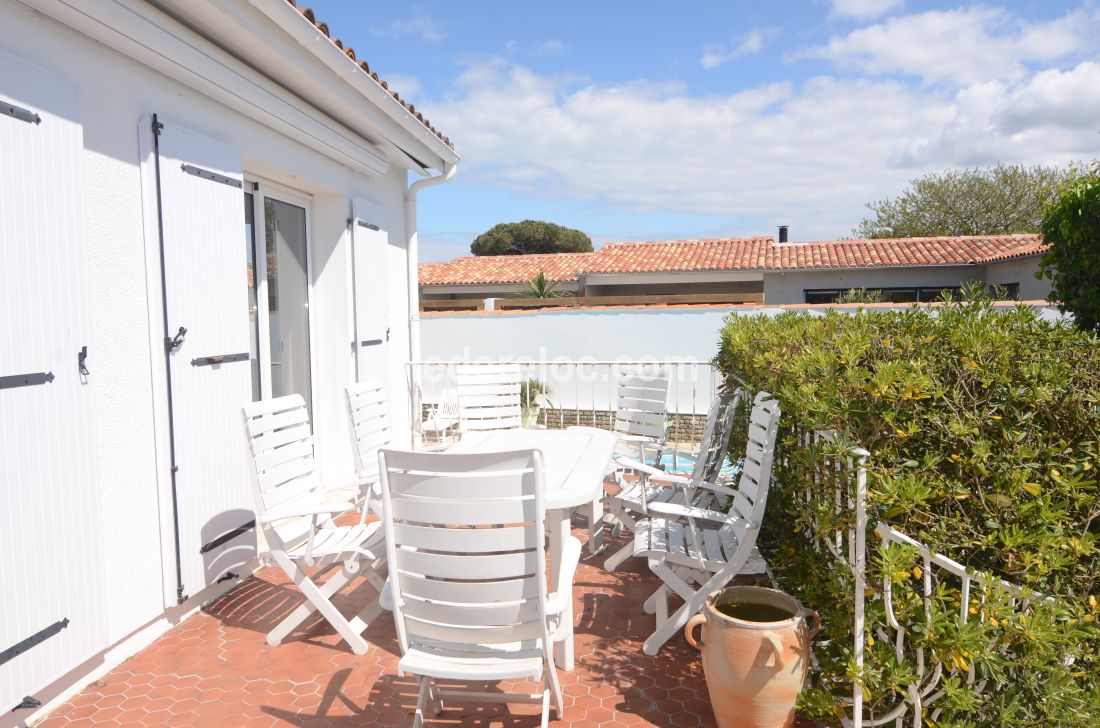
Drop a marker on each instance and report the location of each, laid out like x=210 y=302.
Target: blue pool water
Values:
x=686 y=462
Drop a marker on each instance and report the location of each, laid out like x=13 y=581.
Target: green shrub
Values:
x=983 y=426
x=1071 y=224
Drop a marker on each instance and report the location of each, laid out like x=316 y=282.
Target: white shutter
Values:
x=370 y=255
x=50 y=532
x=206 y=292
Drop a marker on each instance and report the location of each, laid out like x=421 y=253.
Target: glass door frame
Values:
x=261 y=188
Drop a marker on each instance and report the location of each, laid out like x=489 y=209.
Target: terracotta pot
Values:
x=754 y=670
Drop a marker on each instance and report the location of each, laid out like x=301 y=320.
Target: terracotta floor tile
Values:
x=216 y=669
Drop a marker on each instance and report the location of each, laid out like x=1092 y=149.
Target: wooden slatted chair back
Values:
x=756 y=469
x=488 y=397
x=642 y=408
x=282 y=464
x=369 y=419
x=464 y=536
x=714 y=446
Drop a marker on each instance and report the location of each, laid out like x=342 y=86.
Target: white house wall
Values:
x=114 y=94
x=1020 y=271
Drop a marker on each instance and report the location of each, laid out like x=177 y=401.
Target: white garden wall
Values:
x=623 y=334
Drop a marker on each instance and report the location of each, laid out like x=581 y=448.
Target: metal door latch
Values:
x=206 y=361
x=171 y=344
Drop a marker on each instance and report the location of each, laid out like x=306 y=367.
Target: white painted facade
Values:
x=127 y=60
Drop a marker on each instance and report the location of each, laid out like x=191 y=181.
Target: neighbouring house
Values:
x=743 y=270
x=201 y=204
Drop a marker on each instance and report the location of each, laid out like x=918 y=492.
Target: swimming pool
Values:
x=685 y=462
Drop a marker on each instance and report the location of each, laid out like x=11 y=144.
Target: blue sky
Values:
x=647 y=121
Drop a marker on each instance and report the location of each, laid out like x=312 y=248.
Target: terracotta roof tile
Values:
x=309 y=15
x=504 y=268
x=734 y=254
x=900 y=252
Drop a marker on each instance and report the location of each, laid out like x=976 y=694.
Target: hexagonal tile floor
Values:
x=215 y=669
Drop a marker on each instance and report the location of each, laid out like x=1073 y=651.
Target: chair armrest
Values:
x=665 y=477
x=298 y=509
x=676 y=510
x=654 y=474
x=570 y=557
x=357 y=484
x=630 y=463
x=717 y=488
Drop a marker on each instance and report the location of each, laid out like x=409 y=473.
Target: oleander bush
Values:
x=983 y=426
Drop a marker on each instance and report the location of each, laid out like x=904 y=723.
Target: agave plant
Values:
x=539 y=286
x=533 y=396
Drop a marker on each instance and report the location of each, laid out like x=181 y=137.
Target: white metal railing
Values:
x=576 y=392
x=846 y=541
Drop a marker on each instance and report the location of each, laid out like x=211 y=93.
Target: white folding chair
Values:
x=656 y=486
x=488 y=397
x=441 y=416
x=641 y=424
x=369 y=422
x=695 y=551
x=294 y=513
x=641 y=413
x=464 y=536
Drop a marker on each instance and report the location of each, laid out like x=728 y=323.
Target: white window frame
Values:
x=261 y=188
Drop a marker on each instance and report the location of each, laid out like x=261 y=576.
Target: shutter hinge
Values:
x=212 y=176
x=157 y=126
x=29 y=703
x=82 y=361
x=18 y=112
x=26 y=380
x=37 y=638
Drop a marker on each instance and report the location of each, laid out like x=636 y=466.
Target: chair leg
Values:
x=318 y=599
x=595 y=526
x=435 y=700
x=649 y=606
x=545 y=708
x=308 y=607
x=555 y=687
x=418 y=716
x=694 y=599
x=617 y=559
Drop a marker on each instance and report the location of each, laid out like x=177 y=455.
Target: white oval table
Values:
x=576 y=461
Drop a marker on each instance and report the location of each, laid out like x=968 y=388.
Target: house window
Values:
x=889 y=295
x=822 y=296
x=1006 y=291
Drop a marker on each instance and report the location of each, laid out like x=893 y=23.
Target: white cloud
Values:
x=550 y=47
x=808 y=154
x=408 y=86
x=965 y=46
x=419 y=25
x=1055 y=97
x=863 y=9
x=751 y=42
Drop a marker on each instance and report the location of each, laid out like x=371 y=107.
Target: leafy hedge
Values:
x=983 y=426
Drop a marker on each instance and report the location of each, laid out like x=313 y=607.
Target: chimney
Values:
x=782 y=233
